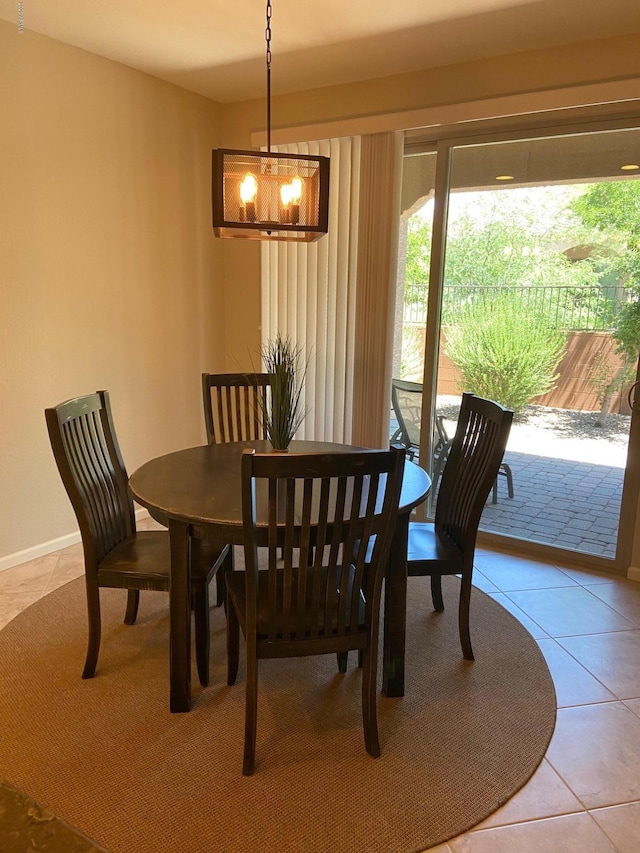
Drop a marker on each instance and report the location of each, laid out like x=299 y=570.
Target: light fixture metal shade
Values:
x=264 y=195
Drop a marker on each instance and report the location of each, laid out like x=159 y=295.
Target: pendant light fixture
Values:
x=264 y=195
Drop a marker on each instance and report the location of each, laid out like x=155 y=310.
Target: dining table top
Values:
x=202 y=485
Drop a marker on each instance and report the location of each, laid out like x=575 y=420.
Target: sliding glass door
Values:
x=519 y=280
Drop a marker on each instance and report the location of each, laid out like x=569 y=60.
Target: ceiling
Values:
x=217 y=48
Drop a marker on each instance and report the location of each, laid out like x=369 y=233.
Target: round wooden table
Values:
x=197 y=493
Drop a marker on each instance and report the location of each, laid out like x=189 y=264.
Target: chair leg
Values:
x=201 y=617
x=221 y=587
x=251 y=713
x=343 y=658
x=93 y=643
x=436 y=593
x=233 y=642
x=463 y=616
x=133 y=600
x=369 y=711
x=507 y=472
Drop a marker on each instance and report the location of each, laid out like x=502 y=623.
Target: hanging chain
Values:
x=20 y=18
x=267 y=35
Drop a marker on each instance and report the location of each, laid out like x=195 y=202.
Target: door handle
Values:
x=631 y=396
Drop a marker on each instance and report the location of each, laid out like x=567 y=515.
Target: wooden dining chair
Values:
x=86 y=451
x=447 y=547
x=315 y=507
x=233 y=405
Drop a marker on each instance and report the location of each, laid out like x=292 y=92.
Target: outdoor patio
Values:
x=558 y=502
x=567 y=478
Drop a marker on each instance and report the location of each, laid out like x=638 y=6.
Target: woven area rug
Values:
x=108 y=757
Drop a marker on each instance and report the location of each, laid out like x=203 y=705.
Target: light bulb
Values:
x=286 y=193
x=296 y=189
x=248 y=188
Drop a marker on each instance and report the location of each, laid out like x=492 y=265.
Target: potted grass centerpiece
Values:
x=282 y=412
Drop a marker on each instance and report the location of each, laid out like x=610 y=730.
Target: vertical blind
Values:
x=379 y=224
x=335 y=298
x=309 y=294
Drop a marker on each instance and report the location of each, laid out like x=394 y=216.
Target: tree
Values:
x=506 y=238
x=612 y=209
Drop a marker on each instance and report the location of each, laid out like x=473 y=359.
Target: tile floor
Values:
x=585 y=796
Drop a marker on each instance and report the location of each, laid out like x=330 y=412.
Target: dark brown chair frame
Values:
x=447 y=547
x=307 y=602
x=233 y=405
x=88 y=457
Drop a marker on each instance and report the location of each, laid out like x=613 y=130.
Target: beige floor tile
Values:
x=577 y=833
x=148 y=523
x=623 y=596
x=23 y=585
x=574 y=684
x=73 y=549
x=483 y=583
x=544 y=795
x=585 y=577
x=613 y=658
x=68 y=567
x=532 y=627
x=441 y=848
x=27 y=577
x=622 y=826
x=596 y=751
x=511 y=573
x=568 y=612
x=634 y=704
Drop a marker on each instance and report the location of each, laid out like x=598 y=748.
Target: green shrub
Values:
x=505 y=350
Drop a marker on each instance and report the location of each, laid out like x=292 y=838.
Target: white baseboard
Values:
x=49 y=547
x=634 y=573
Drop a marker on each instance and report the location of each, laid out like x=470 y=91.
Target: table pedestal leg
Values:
x=180 y=618
x=395 y=611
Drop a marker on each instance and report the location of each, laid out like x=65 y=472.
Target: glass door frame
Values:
x=443 y=141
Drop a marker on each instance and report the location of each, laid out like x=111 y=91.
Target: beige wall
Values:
x=543 y=70
x=110 y=274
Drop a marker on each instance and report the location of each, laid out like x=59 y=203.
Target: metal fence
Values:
x=571 y=308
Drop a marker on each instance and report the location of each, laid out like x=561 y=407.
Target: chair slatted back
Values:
x=93 y=473
x=317 y=508
x=471 y=468
x=406 y=400
x=233 y=406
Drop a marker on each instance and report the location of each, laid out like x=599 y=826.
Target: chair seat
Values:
x=426 y=546
x=237 y=590
x=146 y=559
